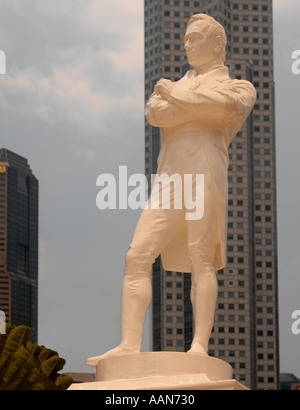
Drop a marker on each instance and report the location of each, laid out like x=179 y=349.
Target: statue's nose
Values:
x=187 y=45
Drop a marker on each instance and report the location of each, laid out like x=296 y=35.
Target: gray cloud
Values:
x=72 y=103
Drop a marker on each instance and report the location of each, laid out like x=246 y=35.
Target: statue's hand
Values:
x=163 y=88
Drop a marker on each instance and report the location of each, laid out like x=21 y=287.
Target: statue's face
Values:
x=200 y=47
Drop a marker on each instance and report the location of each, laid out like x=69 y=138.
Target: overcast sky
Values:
x=72 y=103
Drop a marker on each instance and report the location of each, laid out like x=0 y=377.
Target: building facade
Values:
x=246 y=322
x=18 y=242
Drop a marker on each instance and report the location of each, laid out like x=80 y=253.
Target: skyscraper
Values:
x=246 y=322
x=18 y=241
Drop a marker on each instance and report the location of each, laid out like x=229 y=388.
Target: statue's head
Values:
x=205 y=41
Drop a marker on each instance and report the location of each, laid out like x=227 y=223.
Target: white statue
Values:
x=199 y=116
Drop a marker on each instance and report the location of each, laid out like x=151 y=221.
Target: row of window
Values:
x=254 y=7
x=241 y=306
x=255 y=18
x=170 y=284
x=265 y=379
x=264 y=96
x=240 y=202
x=232 y=318
x=267 y=230
x=231 y=248
x=240 y=168
x=221 y=329
x=222 y=283
x=258 y=196
x=255 y=40
x=171 y=319
x=239 y=271
x=263 y=129
x=231 y=342
x=185 y=3
x=258 y=252
x=240 y=342
x=248 y=51
x=170 y=343
x=255 y=29
x=231 y=295
x=221 y=294
x=177 y=13
x=170 y=330
x=179 y=296
x=258 y=264
x=241 y=330
x=240 y=214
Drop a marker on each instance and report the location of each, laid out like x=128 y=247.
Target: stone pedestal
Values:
x=161 y=371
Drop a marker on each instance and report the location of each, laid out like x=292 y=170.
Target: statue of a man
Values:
x=199 y=116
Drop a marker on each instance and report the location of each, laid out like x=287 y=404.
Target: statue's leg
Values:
x=203 y=240
x=136 y=298
x=203 y=297
x=154 y=228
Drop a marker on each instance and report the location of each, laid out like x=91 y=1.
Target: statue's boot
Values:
x=136 y=298
x=203 y=297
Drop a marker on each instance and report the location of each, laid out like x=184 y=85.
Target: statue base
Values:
x=161 y=371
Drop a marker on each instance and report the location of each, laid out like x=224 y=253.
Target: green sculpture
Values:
x=25 y=366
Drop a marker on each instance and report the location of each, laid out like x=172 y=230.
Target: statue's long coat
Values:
x=198 y=123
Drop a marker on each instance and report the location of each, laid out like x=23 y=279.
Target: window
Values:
x=22 y=259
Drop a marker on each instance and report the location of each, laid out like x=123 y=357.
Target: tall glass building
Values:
x=246 y=322
x=18 y=241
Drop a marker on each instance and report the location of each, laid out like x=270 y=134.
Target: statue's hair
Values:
x=215 y=29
